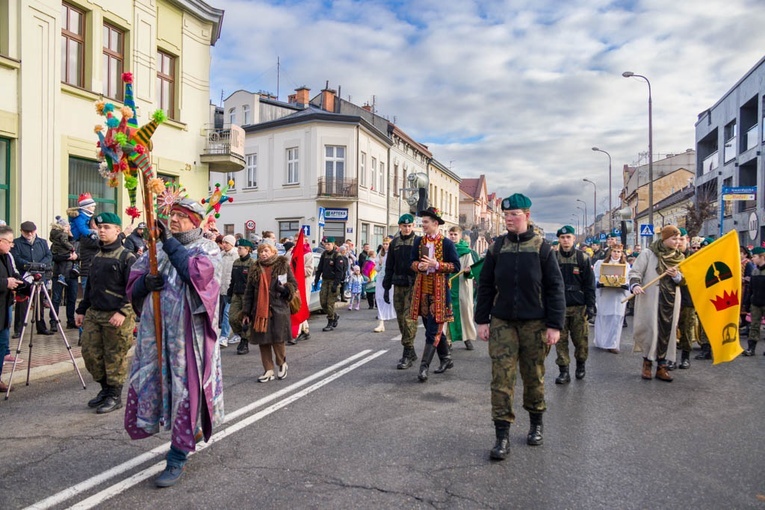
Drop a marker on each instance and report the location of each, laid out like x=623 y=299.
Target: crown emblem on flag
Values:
x=726 y=300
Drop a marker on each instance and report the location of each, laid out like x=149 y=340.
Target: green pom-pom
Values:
x=131 y=182
x=121 y=138
x=159 y=116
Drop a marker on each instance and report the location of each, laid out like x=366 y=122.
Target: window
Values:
x=363 y=170
x=373 y=182
x=364 y=233
x=232 y=116
x=5 y=172
x=231 y=177
x=377 y=237
x=293 y=173
x=334 y=163
x=252 y=170
x=113 y=62
x=228 y=229
x=72 y=46
x=172 y=179
x=395 y=180
x=289 y=228
x=246 y=114
x=166 y=83
x=381 y=188
x=84 y=177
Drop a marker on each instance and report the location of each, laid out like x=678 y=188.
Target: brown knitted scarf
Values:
x=264 y=286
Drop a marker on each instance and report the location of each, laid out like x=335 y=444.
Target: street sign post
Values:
x=735 y=194
x=646 y=230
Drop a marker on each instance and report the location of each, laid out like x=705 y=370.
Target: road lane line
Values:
x=161 y=450
x=129 y=482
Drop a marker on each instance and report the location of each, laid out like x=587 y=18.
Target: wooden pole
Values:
x=652 y=282
x=148 y=204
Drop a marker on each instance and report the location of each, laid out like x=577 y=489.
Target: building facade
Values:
x=58 y=58
x=729 y=146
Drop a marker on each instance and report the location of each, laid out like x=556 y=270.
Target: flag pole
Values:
x=652 y=282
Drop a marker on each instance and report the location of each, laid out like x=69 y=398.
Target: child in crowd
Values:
x=355 y=283
x=62 y=248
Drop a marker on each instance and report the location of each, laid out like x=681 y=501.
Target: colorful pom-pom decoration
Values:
x=133 y=212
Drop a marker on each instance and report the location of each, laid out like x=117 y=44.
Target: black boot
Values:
x=685 y=360
x=243 y=347
x=580 y=371
x=444 y=357
x=329 y=326
x=706 y=352
x=502 y=429
x=751 y=344
x=427 y=357
x=535 y=431
x=407 y=358
x=113 y=400
x=334 y=321
x=99 y=399
x=671 y=365
x=564 y=377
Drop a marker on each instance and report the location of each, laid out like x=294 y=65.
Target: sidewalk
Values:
x=49 y=357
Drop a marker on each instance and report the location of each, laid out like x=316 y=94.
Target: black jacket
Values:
x=520 y=280
x=398 y=270
x=6 y=294
x=578 y=277
x=240 y=270
x=107 y=283
x=755 y=295
x=87 y=249
x=134 y=242
x=331 y=268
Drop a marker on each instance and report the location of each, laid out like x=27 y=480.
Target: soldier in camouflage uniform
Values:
x=106 y=316
x=520 y=311
x=399 y=275
x=331 y=270
x=580 y=304
x=239 y=273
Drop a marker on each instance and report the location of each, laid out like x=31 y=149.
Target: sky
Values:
x=518 y=90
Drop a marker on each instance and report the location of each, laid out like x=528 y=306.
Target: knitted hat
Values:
x=192 y=209
x=516 y=201
x=229 y=239
x=669 y=231
x=566 y=229
x=85 y=200
x=288 y=245
x=61 y=222
x=108 y=217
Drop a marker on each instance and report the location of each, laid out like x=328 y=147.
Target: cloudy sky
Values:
x=519 y=90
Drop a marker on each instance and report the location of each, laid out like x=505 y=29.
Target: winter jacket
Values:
x=78 y=222
x=134 y=242
x=7 y=270
x=24 y=252
x=226 y=265
x=106 y=287
x=756 y=294
x=87 y=248
x=331 y=269
x=398 y=271
x=240 y=270
x=578 y=278
x=279 y=329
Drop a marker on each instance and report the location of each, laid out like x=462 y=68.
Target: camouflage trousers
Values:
x=328 y=298
x=686 y=327
x=578 y=329
x=756 y=325
x=105 y=347
x=521 y=345
x=235 y=314
x=402 y=301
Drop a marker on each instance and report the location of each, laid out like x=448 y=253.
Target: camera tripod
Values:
x=38 y=291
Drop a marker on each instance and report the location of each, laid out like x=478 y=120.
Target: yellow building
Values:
x=58 y=58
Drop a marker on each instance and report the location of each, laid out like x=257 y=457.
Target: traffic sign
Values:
x=646 y=230
x=602 y=236
x=731 y=194
x=617 y=232
x=321 y=216
x=250 y=224
x=306 y=230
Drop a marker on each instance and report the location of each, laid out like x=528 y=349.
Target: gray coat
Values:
x=279 y=321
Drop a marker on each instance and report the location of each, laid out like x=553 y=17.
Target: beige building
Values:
x=445 y=192
x=58 y=58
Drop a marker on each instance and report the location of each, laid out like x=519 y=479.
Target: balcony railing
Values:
x=331 y=187
x=751 y=137
x=730 y=149
x=219 y=141
x=711 y=162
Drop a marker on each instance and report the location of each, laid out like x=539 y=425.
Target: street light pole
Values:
x=585 y=213
x=594 y=204
x=630 y=74
x=610 y=204
x=584 y=225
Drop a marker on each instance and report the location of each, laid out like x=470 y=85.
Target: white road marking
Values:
x=160 y=451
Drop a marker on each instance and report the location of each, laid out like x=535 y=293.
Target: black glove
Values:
x=386 y=296
x=284 y=292
x=154 y=282
x=590 y=313
x=164 y=232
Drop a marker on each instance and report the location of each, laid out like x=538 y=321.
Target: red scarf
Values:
x=264 y=301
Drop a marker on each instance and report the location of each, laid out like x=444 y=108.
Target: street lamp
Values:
x=575 y=217
x=584 y=219
x=585 y=212
x=630 y=74
x=610 y=205
x=594 y=204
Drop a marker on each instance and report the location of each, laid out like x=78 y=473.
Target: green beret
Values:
x=611 y=235
x=516 y=201
x=758 y=251
x=329 y=239
x=406 y=219
x=244 y=242
x=683 y=232
x=108 y=217
x=555 y=243
x=566 y=229
x=707 y=241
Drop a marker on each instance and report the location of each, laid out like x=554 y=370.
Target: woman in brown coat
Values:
x=270 y=287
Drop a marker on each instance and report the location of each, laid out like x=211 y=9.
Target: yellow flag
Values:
x=713 y=276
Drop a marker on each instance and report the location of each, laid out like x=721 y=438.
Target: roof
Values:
x=472 y=186
x=205 y=12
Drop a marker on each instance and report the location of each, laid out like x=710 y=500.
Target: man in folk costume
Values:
x=463 y=327
x=657 y=309
x=186 y=395
x=433 y=259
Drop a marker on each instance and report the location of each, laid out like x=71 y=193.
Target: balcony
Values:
x=224 y=149
x=730 y=149
x=338 y=188
x=751 y=137
x=710 y=163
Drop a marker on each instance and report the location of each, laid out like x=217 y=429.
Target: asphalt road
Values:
x=348 y=430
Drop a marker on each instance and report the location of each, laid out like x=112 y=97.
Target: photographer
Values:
x=29 y=249
x=9 y=281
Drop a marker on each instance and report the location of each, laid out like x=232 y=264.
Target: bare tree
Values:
x=702 y=208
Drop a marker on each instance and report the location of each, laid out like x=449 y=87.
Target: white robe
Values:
x=608 y=322
x=646 y=323
x=385 y=311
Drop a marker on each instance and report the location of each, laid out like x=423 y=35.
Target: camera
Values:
x=37 y=271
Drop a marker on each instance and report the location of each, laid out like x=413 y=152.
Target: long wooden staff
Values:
x=652 y=282
x=148 y=204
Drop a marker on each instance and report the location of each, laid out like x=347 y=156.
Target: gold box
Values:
x=613 y=275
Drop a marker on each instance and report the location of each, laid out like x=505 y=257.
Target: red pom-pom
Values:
x=127 y=77
x=140 y=149
x=230 y=199
x=133 y=212
x=202 y=201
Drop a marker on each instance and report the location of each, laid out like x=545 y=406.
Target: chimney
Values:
x=301 y=96
x=367 y=107
x=328 y=99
